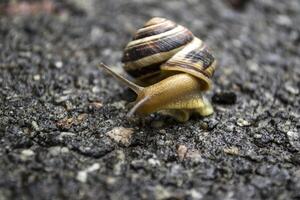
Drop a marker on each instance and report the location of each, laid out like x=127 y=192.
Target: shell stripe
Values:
x=201 y=55
x=185 y=65
x=156 y=20
x=145 y=70
x=156 y=58
x=177 y=30
x=158 y=29
x=162 y=45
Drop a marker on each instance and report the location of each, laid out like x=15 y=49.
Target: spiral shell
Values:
x=162 y=47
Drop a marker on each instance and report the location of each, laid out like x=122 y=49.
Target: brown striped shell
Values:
x=162 y=48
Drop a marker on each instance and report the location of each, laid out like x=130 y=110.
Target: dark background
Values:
x=57 y=109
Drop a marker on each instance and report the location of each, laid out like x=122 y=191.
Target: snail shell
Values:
x=162 y=48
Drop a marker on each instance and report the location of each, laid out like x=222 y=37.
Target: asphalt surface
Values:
x=63 y=127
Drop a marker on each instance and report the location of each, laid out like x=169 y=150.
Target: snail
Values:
x=172 y=69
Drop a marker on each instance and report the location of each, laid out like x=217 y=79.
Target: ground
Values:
x=63 y=127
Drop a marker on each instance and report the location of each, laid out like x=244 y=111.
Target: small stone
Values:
x=153 y=162
x=61 y=99
x=231 y=150
x=294 y=139
x=96 y=89
x=55 y=151
x=121 y=135
x=36 y=77
x=257 y=136
x=111 y=180
x=195 y=194
x=65 y=123
x=119 y=105
x=65 y=134
x=64 y=150
x=26 y=154
x=283 y=20
x=162 y=193
x=94 y=167
x=195 y=156
x=35 y=126
x=81 y=118
x=96 y=105
x=203 y=125
x=252 y=66
x=224 y=98
x=241 y=122
x=58 y=64
x=82 y=175
x=212 y=123
x=291 y=89
x=182 y=151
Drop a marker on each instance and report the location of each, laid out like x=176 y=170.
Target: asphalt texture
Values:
x=63 y=127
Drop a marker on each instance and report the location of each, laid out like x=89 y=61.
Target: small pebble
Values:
x=61 y=99
x=96 y=89
x=26 y=154
x=65 y=123
x=82 y=175
x=257 y=136
x=203 y=125
x=241 y=122
x=294 y=139
x=182 y=151
x=58 y=64
x=62 y=135
x=36 y=77
x=35 y=126
x=96 y=105
x=119 y=104
x=110 y=180
x=121 y=135
x=283 y=20
x=224 y=98
x=231 y=150
x=195 y=194
x=291 y=89
x=55 y=151
x=161 y=192
x=153 y=162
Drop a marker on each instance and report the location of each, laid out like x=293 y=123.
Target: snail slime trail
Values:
x=172 y=69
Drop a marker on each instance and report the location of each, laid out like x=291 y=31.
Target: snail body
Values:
x=173 y=66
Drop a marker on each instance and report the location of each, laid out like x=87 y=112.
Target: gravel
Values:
x=61 y=117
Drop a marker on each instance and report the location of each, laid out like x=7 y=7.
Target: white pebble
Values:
x=83 y=174
x=36 y=77
x=58 y=64
x=26 y=154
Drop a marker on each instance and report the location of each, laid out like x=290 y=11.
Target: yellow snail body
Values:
x=173 y=66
